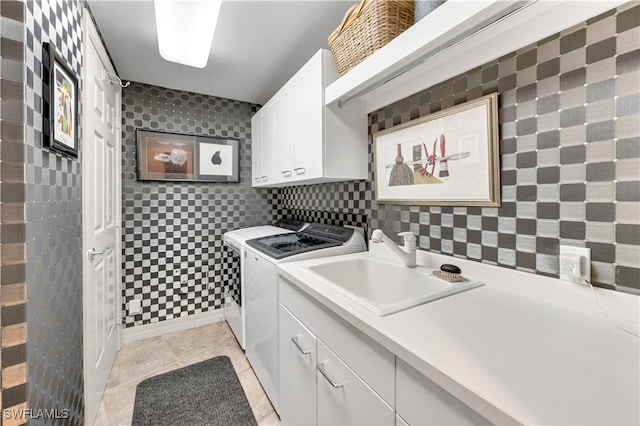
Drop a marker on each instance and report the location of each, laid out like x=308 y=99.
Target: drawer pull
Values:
x=286 y=173
x=294 y=339
x=320 y=368
x=300 y=170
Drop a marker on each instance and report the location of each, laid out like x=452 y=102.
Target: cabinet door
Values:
x=343 y=398
x=367 y=358
x=256 y=149
x=297 y=371
x=282 y=150
x=268 y=140
x=308 y=98
x=420 y=401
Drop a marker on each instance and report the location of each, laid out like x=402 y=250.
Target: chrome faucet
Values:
x=407 y=253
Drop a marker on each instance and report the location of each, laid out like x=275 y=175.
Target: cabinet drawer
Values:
x=343 y=398
x=373 y=363
x=297 y=371
x=422 y=402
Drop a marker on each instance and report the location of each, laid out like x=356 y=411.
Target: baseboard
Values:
x=154 y=329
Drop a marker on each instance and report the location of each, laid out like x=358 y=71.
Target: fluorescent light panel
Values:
x=185 y=30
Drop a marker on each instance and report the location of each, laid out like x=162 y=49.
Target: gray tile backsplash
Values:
x=570 y=157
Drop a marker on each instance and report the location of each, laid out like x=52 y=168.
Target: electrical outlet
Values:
x=135 y=307
x=575 y=264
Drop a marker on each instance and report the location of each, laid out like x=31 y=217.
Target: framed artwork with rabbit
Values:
x=190 y=158
x=448 y=158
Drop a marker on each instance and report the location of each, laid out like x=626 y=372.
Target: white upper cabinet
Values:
x=267 y=151
x=308 y=89
x=256 y=146
x=281 y=145
x=303 y=141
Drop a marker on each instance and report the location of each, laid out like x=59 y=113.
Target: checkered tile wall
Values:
x=53 y=227
x=570 y=149
x=12 y=183
x=172 y=231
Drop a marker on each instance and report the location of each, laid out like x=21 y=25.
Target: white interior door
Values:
x=100 y=218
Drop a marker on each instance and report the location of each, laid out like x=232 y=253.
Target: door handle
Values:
x=294 y=339
x=300 y=170
x=286 y=173
x=320 y=368
x=93 y=252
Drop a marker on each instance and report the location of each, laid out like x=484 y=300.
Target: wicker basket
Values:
x=366 y=27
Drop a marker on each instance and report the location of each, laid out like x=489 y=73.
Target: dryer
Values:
x=236 y=241
x=261 y=259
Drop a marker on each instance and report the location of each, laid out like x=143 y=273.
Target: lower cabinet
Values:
x=317 y=386
x=422 y=402
x=298 y=360
x=343 y=398
x=332 y=374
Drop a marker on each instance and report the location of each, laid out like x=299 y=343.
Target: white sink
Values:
x=385 y=288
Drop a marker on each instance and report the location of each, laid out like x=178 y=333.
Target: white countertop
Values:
x=514 y=356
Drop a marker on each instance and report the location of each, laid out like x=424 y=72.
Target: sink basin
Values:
x=385 y=288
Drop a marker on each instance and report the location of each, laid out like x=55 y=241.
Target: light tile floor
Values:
x=146 y=358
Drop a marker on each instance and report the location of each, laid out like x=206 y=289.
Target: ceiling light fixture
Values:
x=185 y=30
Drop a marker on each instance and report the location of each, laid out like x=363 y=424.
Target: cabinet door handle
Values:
x=265 y=178
x=300 y=170
x=92 y=253
x=294 y=339
x=286 y=173
x=257 y=179
x=320 y=368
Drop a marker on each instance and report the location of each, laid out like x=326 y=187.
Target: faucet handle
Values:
x=409 y=240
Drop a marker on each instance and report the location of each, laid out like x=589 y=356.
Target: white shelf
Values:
x=458 y=36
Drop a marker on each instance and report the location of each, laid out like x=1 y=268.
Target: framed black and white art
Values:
x=177 y=157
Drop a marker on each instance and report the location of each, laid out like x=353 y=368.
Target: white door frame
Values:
x=91 y=36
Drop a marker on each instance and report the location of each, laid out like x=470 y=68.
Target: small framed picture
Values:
x=177 y=157
x=60 y=106
x=448 y=158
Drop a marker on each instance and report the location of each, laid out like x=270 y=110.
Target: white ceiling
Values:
x=257 y=46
